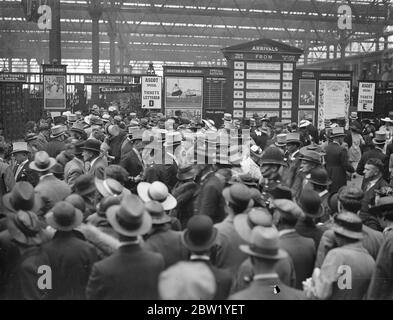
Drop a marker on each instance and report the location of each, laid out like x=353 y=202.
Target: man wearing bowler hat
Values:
x=265 y=251
x=132 y=272
x=95 y=163
x=199 y=238
x=22 y=171
x=337 y=163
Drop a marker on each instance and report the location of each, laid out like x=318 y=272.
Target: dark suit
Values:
x=374 y=153
x=337 y=166
x=26 y=174
x=131 y=273
x=307 y=228
x=260 y=139
x=210 y=200
x=168 y=243
x=263 y=290
x=302 y=252
x=54 y=147
x=71 y=260
x=131 y=162
x=370 y=193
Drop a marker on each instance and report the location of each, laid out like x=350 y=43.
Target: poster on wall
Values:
x=307 y=91
x=366 y=96
x=334 y=100
x=151 y=92
x=54 y=92
x=306 y=115
x=184 y=94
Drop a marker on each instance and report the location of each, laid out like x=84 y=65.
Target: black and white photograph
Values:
x=307 y=93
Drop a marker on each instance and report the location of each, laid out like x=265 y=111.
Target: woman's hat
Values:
x=20 y=147
x=42 y=162
x=84 y=185
x=22 y=197
x=245 y=222
x=157 y=212
x=265 y=244
x=57 y=131
x=130 y=218
x=380 y=137
x=210 y=125
x=157 y=191
x=64 y=216
x=348 y=225
x=200 y=234
x=24 y=227
x=92 y=145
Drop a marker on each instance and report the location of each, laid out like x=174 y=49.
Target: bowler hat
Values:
x=58 y=130
x=319 y=176
x=273 y=155
x=349 y=225
x=24 y=227
x=157 y=191
x=281 y=140
x=84 y=185
x=64 y=216
x=200 y=234
x=380 y=137
x=384 y=204
x=92 y=145
x=310 y=203
x=42 y=162
x=22 y=197
x=20 y=147
x=245 y=222
x=157 y=213
x=237 y=194
x=130 y=218
x=265 y=244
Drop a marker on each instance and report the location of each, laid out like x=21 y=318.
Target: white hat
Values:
x=304 y=123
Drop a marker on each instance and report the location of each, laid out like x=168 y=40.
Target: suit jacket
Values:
x=54 y=147
x=131 y=273
x=51 y=190
x=337 y=166
x=374 y=153
x=157 y=172
x=228 y=255
x=131 y=162
x=72 y=170
x=308 y=229
x=210 y=200
x=26 y=174
x=168 y=243
x=70 y=260
x=115 y=144
x=370 y=193
x=98 y=167
x=302 y=252
x=263 y=290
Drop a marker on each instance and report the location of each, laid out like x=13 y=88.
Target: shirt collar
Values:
x=264 y=276
x=137 y=241
x=46 y=175
x=24 y=162
x=286 y=231
x=199 y=257
x=321 y=194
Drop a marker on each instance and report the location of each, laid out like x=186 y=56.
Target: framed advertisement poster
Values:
x=54 y=92
x=306 y=114
x=307 y=94
x=366 y=96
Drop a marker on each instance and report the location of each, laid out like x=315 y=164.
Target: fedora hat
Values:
x=78 y=147
x=186 y=173
x=64 y=216
x=387 y=119
x=157 y=212
x=281 y=140
x=105 y=203
x=22 y=197
x=42 y=162
x=92 y=145
x=293 y=137
x=110 y=187
x=57 y=131
x=380 y=137
x=265 y=244
x=353 y=116
x=78 y=127
x=337 y=132
x=77 y=201
x=200 y=234
x=273 y=155
x=310 y=203
x=25 y=228
x=157 y=191
x=20 y=147
x=130 y=217
x=248 y=180
x=84 y=185
x=348 y=225
x=238 y=194
x=319 y=176
x=288 y=208
x=310 y=156
x=384 y=204
x=227 y=117
x=245 y=222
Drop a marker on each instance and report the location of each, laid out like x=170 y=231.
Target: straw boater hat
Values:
x=265 y=244
x=64 y=216
x=281 y=140
x=337 y=132
x=110 y=187
x=387 y=119
x=57 y=131
x=227 y=117
x=380 y=137
x=348 y=225
x=20 y=147
x=42 y=162
x=157 y=191
x=130 y=218
x=384 y=204
x=293 y=137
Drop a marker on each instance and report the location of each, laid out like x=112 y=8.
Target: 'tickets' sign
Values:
x=151 y=92
x=366 y=96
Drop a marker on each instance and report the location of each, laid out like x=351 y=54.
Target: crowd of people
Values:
x=121 y=207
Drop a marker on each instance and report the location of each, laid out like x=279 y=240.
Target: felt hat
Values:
x=310 y=202
x=77 y=201
x=84 y=185
x=319 y=176
x=78 y=127
x=157 y=212
x=130 y=218
x=337 y=132
x=200 y=234
x=288 y=208
x=25 y=228
x=281 y=192
x=186 y=173
x=265 y=244
x=157 y=191
x=22 y=197
x=273 y=155
x=42 y=162
x=293 y=137
x=245 y=222
x=238 y=194
x=348 y=225
x=64 y=216
x=31 y=137
x=310 y=156
x=92 y=145
x=384 y=204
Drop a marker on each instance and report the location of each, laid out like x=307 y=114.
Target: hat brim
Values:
x=347 y=233
x=164 y=219
x=90 y=149
x=227 y=196
x=52 y=162
x=293 y=141
x=143 y=192
x=143 y=228
x=20 y=150
x=378 y=209
x=8 y=205
x=281 y=254
x=52 y=136
x=379 y=141
x=77 y=130
x=310 y=160
x=20 y=237
x=198 y=248
x=280 y=144
x=329 y=182
x=50 y=220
